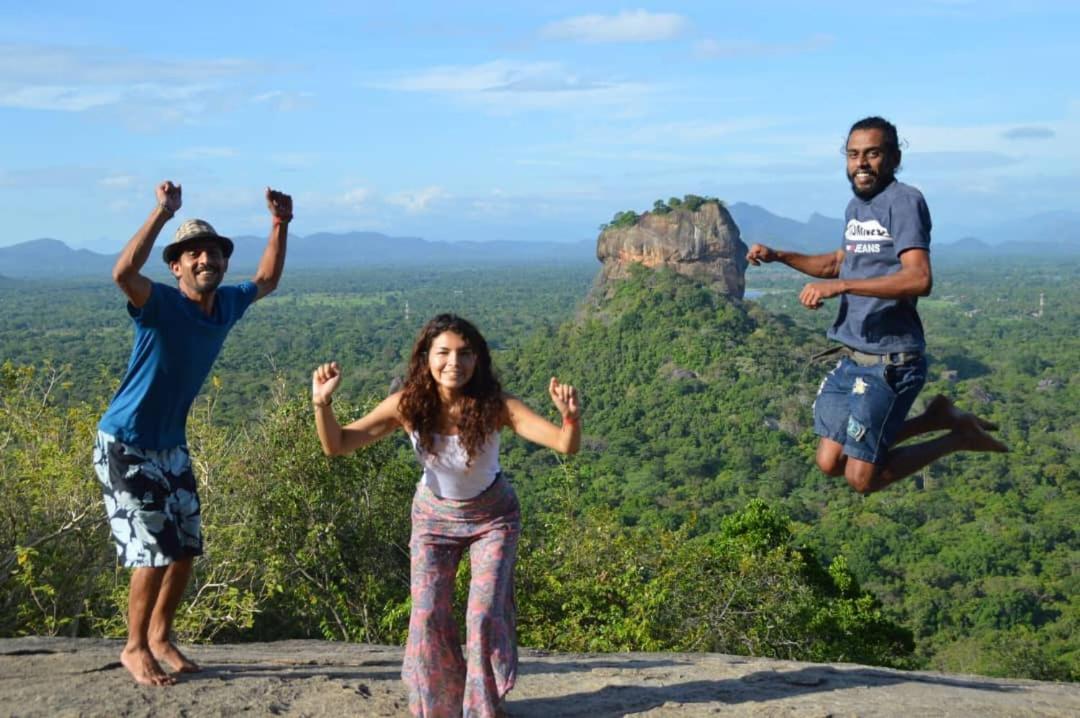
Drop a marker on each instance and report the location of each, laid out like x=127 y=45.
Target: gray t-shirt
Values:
x=877 y=233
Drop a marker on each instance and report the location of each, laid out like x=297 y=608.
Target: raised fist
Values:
x=280 y=205
x=168 y=196
x=324 y=381
x=565 y=398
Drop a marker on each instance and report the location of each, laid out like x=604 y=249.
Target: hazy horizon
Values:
x=541 y=235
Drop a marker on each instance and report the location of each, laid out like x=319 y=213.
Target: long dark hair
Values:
x=482 y=404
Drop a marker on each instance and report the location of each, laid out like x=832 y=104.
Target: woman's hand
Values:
x=324 y=381
x=565 y=398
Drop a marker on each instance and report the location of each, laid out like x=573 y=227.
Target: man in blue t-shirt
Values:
x=141 y=456
x=879 y=273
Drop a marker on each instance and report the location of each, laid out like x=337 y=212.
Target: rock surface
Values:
x=703 y=244
x=82 y=677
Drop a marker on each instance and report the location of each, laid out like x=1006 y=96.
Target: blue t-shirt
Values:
x=175 y=346
x=877 y=233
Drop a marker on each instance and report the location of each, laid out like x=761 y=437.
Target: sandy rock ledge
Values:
x=82 y=677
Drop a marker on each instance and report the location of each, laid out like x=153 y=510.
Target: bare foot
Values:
x=169 y=653
x=943 y=414
x=144 y=669
x=973 y=435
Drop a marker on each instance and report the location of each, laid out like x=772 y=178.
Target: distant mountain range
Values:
x=1057 y=233
x=42 y=258
x=1054 y=232
x=757 y=224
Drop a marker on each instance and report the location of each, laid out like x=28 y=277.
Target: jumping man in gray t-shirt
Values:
x=879 y=273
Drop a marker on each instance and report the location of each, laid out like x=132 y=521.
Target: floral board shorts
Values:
x=151 y=501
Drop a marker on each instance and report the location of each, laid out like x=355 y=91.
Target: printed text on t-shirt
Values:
x=865 y=237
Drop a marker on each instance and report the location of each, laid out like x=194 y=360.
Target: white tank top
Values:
x=446 y=474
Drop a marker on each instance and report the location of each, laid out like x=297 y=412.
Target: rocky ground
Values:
x=82 y=677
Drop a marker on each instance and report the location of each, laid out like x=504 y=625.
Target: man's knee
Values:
x=861 y=476
x=830 y=458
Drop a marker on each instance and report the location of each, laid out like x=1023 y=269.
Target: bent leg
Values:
x=434 y=669
x=184 y=540
x=491 y=622
x=878 y=401
x=830 y=418
x=940 y=415
x=968 y=434
x=830 y=457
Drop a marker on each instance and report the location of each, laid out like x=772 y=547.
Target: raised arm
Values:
x=529 y=425
x=273 y=258
x=913 y=279
x=335 y=439
x=126 y=272
x=825 y=266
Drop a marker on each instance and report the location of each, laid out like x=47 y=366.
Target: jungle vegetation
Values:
x=693 y=519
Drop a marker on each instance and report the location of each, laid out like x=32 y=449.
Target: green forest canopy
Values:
x=697 y=421
x=690 y=203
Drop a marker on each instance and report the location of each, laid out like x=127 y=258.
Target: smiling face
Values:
x=451 y=362
x=200 y=268
x=871 y=167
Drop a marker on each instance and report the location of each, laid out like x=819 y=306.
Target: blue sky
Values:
x=533 y=121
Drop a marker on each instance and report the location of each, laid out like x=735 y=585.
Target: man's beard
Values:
x=205 y=283
x=881 y=181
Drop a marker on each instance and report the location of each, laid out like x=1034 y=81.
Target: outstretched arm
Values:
x=914 y=279
x=273 y=259
x=126 y=271
x=529 y=425
x=825 y=266
x=335 y=439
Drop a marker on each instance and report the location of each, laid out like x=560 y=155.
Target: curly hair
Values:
x=482 y=405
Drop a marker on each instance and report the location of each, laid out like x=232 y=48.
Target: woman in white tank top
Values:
x=452 y=407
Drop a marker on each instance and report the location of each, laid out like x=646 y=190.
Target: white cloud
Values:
x=144 y=91
x=420 y=200
x=627 y=26
x=356 y=198
x=285 y=101
x=1030 y=132
x=712 y=48
x=160 y=101
x=496 y=76
x=972 y=138
x=59 y=98
x=960 y=151
x=48 y=65
x=53 y=177
x=507 y=85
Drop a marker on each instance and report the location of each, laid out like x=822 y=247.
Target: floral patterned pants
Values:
x=442 y=683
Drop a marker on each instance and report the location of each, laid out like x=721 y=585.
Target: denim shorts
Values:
x=151 y=500
x=863 y=407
